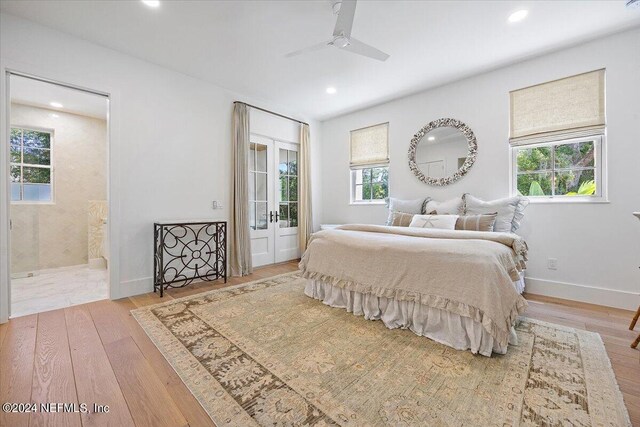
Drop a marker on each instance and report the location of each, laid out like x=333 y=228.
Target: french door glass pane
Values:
x=282 y=162
x=36 y=192
x=35 y=139
x=261 y=158
x=284 y=190
x=284 y=215
x=293 y=188
x=252 y=156
x=575 y=183
x=535 y=184
x=15 y=192
x=262 y=221
x=261 y=186
x=252 y=215
x=252 y=186
x=37 y=156
x=293 y=214
x=578 y=155
x=293 y=163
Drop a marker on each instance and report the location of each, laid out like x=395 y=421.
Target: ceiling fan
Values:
x=341 y=38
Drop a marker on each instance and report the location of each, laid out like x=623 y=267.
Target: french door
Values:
x=273 y=200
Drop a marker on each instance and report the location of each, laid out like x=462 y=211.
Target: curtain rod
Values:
x=272 y=112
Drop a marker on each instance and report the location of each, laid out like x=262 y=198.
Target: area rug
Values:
x=263 y=353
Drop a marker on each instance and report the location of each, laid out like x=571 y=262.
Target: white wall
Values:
x=597 y=245
x=170 y=138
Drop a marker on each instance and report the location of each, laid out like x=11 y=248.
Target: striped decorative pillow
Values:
x=401 y=219
x=484 y=222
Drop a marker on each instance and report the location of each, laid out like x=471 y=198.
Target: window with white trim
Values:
x=369 y=164
x=30 y=165
x=560 y=169
x=557 y=138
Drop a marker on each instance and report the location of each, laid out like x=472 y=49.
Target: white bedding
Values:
x=461 y=333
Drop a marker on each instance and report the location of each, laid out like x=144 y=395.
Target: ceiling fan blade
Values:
x=356 y=46
x=307 y=49
x=345 y=18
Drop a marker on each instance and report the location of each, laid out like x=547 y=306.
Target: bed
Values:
x=460 y=288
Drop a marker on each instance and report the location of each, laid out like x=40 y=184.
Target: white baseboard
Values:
x=130 y=288
x=583 y=293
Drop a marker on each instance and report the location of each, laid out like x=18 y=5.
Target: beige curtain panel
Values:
x=572 y=106
x=239 y=238
x=305 y=220
x=370 y=146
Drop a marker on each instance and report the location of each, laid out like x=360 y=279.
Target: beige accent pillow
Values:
x=445 y=222
x=401 y=219
x=483 y=222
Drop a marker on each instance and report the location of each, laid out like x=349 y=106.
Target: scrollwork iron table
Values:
x=186 y=251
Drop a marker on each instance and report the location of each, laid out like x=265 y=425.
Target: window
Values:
x=369 y=161
x=370 y=184
x=30 y=169
x=557 y=138
x=562 y=170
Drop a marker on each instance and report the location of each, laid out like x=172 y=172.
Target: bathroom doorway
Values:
x=58 y=172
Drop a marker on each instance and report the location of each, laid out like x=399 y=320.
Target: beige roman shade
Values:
x=370 y=146
x=571 y=107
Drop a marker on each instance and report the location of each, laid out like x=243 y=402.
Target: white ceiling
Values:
x=40 y=94
x=240 y=45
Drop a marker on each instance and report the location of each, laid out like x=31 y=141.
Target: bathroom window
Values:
x=30 y=168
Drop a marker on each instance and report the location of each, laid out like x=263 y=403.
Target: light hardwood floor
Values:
x=97 y=353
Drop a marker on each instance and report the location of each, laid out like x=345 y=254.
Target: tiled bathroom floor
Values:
x=57 y=289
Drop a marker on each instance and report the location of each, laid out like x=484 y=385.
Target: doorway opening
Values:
x=58 y=172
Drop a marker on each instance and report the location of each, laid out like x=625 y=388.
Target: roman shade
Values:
x=572 y=107
x=370 y=146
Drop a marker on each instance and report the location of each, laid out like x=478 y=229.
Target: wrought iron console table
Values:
x=186 y=251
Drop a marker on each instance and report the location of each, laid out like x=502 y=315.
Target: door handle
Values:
x=270 y=216
x=276 y=216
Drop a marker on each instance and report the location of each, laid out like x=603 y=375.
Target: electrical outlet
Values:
x=552 y=263
x=216 y=204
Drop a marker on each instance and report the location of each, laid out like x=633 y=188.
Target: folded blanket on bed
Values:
x=469 y=273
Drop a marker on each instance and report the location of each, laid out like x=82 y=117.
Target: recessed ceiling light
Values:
x=55 y=116
x=331 y=90
x=151 y=3
x=431 y=138
x=518 y=15
x=56 y=104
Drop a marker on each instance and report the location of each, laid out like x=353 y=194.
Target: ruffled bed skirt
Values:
x=461 y=333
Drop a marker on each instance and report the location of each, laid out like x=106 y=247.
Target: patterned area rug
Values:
x=263 y=353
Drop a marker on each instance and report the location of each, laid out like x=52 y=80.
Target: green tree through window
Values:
x=30 y=168
x=370 y=184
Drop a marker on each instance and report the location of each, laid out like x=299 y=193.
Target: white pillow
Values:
x=445 y=222
x=510 y=211
x=405 y=206
x=449 y=207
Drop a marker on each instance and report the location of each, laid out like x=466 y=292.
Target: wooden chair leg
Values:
x=636 y=342
x=635 y=319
